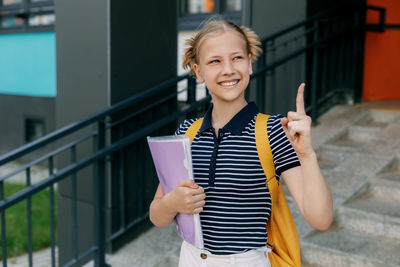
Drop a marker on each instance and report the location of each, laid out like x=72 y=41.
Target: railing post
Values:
x=3 y=228
x=99 y=199
x=314 y=107
x=74 y=210
x=271 y=73
x=191 y=94
x=261 y=80
x=29 y=219
x=121 y=175
x=52 y=221
x=382 y=18
x=359 y=24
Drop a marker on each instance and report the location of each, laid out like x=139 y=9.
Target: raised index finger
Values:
x=300 y=99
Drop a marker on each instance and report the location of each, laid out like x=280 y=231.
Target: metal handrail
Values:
x=320 y=15
x=45 y=157
x=51 y=137
x=32 y=189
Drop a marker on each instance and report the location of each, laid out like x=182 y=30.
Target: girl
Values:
x=230 y=191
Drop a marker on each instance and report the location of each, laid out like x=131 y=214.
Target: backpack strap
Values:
x=282 y=233
x=194 y=129
x=263 y=147
x=267 y=163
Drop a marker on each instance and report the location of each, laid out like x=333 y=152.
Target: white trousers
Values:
x=193 y=257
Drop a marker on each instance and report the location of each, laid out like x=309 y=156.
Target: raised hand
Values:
x=187 y=197
x=297 y=126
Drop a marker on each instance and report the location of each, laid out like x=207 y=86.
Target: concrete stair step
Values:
x=385 y=115
x=371 y=123
x=365 y=132
x=371 y=217
x=393 y=174
x=371 y=204
x=386 y=187
x=391 y=132
x=341 y=247
x=340 y=150
x=352 y=174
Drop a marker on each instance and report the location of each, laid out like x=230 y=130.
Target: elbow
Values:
x=157 y=221
x=323 y=226
x=320 y=221
x=153 y=219
x=321 y=217
x=323 y=223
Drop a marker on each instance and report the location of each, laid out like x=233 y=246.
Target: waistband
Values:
x=253 y=253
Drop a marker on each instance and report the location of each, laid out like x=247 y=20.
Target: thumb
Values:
x=284 y=122
x=188 y=183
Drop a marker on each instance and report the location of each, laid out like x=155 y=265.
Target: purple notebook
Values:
x=172 y=158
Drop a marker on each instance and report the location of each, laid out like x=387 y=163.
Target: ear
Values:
x=250 y=65
x=198 y=75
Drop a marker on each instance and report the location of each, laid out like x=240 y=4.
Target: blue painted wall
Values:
x=28 y=64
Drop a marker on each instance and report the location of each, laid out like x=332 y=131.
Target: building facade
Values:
x=27 y=71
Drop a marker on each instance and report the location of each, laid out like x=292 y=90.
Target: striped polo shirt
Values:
x=226 y=165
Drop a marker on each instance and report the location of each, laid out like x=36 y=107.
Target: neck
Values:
x=223 y=112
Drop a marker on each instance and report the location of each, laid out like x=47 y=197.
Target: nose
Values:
x=228 y=68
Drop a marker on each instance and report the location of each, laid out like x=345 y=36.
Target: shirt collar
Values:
x=237 y=123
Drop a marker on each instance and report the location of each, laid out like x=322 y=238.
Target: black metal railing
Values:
x=325 y=50
x=314 y=50
x=97 y=127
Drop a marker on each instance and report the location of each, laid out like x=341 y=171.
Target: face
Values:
x=225 y=66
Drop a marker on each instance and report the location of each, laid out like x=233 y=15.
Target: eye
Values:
x=237 y=58
x=214 y=61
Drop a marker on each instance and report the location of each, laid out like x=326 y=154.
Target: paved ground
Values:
x=40 y=258
x=359 y=153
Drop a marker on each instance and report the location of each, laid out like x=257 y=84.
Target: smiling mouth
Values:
x=229 y=83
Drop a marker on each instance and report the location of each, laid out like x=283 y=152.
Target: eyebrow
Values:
x=234 y=53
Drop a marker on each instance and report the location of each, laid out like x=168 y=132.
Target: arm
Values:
x=306 y=183
x=187 y=198
x=310 y=192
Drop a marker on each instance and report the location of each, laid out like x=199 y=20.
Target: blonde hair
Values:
x=190 y=56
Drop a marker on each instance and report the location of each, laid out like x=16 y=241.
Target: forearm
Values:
x=160 y=212
x=317 y=197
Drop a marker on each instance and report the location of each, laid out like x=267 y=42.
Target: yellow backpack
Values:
x=283 y=239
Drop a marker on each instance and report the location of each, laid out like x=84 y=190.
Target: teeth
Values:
x=229 y=83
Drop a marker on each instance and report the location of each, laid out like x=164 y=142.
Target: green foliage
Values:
x=17 y=222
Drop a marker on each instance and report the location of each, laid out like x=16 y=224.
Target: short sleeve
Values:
x=184 y=126
x=284 y=155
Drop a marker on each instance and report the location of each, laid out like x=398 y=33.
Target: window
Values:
x=11 y=2
x=233 y=5
x=34 y=129
x=193 y=12
x=38 y=20
x=26 y=15
x=197 y=6
x=11 y=22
